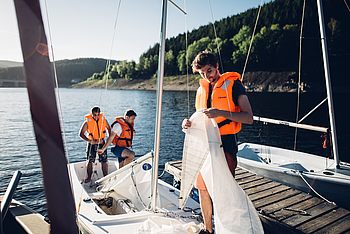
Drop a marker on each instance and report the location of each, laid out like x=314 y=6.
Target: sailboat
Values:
x=123 y=201
x=132 y=199
x=327 y=178
x=129 y=204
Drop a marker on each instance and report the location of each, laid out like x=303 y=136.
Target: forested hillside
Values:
x=273 y=59
x=68 y=71
x=275 y=47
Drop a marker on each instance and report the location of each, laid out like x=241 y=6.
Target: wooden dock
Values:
x=284 y=209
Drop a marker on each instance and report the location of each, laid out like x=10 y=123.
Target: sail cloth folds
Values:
x=233 y=211
x=196 y=150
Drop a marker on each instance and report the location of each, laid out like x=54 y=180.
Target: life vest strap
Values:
x=224 y=122
x=126 y=139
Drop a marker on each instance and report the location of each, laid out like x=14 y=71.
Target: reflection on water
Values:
x=19 y=150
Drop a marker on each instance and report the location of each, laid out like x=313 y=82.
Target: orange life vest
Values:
x=221 y=99
x=125 y=138
x=96 y=129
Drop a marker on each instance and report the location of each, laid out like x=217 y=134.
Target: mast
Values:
x=43 y=107
x=160 y=75
x=328 y=83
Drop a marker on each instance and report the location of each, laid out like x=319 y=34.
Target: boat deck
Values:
x=284 y=209
x=21 y=219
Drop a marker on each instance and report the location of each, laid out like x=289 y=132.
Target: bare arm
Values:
x=108 y=142
x=83 y=129
x=244 y=116
x=108 y=128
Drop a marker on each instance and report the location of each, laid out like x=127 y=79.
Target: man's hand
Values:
x=186 y=123
x=100 y=151
x=212 y=112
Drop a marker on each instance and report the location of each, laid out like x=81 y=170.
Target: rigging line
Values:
x=216 y=36
x=347 y=6
x=132 y=175
x=324 y=100
x=220 y=60
x=251 y=40
x=178 y=7
x=108 y=63
x=299 y=73
x=100 y=98
x=319 y=195
x=187 y=63
x=59 y=105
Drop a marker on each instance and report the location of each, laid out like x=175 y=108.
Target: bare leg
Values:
x=104 y=166
x=128 y=155
x=207 y=209
x=89 y=172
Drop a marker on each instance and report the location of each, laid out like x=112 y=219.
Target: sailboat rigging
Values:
x=123 y=201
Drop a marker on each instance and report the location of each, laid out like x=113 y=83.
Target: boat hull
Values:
x=105 y=206
x=309 y=173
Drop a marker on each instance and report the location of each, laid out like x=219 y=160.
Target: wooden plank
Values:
x=285 y=203
x=340 y=226
x=243 y=175
x=301 y=206
x=275 y=198
x=260 y=188
x=270 y=192
x=287 y=209
x=313 y=212
x=248 y=179
x=271 y=226
x=254 y=183
x=239 y=171
x=323 y=221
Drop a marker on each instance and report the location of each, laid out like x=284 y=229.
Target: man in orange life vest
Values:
x=222 y=97
x=93 y=130
x=122 y=133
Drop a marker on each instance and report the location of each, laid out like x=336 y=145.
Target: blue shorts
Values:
x=117 y=151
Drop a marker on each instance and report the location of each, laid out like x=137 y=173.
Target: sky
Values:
x=81 y=29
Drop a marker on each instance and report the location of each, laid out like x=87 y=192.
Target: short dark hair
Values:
x=130 y=113
x=202 y=59
x=95 y=109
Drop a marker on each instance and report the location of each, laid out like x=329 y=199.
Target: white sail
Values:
x=194 y=153
x=233 y=211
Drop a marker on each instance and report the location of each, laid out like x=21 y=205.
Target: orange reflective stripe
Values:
x=221 y=99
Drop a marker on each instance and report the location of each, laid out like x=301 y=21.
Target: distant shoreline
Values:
x=254 y=82
x=259 y=81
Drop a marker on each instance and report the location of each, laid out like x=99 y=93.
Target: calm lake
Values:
x=19 y=150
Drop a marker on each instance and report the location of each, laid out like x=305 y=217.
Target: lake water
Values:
x=19 y=150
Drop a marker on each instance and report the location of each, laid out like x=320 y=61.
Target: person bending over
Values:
x=122 y=134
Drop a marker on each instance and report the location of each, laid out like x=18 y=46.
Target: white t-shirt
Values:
x=117 y=129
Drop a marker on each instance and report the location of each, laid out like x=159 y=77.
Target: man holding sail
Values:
x=222 y=97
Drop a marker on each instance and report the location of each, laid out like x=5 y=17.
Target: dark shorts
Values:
x=91 y=152
x=229 y=144
x=117 y=151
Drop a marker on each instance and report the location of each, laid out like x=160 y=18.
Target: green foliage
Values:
x=275 y=46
